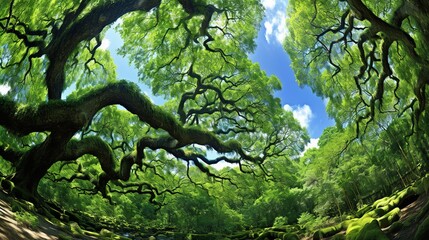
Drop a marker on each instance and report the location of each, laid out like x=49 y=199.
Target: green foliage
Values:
x=27 y=219
x=310 y=223
x=344 y=71
x=305 y=220
x=280 y=221
x=197 y=59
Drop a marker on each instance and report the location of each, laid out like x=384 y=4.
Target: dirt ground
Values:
x=412 y=209
x=11 y=229
x=14 y=230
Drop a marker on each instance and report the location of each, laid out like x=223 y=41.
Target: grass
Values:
x=27 y=219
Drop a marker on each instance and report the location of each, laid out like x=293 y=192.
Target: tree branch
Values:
x=9 y=154
x=89 y=26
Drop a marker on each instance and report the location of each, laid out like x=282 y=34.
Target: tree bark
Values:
x=34 y=165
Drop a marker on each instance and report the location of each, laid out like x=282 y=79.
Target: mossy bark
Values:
x=34 y=165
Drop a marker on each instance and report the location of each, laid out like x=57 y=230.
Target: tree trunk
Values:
x=34 y=165
x=26 y=180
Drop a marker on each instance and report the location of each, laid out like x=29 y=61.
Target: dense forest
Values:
x=93 y=153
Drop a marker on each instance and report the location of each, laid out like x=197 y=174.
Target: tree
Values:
x=342 y=175
x=192 y=52
x=370 y=59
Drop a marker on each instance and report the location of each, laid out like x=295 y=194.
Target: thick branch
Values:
x=88 y=27
x=94 y=146
x=394 y=33
x=76 y=114
x=9 y=154
x=52 y=116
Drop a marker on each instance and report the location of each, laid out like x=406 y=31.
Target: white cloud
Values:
x=222 y=164
x=280 y=31
x=301 y=113
x=4 y=89
x=312 y=144
x=105 y=44
x=275 y=21
x=269 y=4
x=268 y=30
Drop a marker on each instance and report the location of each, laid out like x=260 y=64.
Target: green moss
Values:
x=56 y=222
x=27 y=219
x=371 y=214
x=15 y=206
x=364 y=209
x=396 y=227
x=7 y=185
x=381 y=211
x=381 y=202
x=91 y=233
x=240 y=235
x=290 y=236
x=357 y=224
x=407 y=196
x=365 y=229
x=20 y=205
x=64 y=237
x=75 y=229
x=371 y=231
x=389 y=218
x=345 y=224
x=339 y=237
x=422 y=230
x=328 y=231
x=106 y=234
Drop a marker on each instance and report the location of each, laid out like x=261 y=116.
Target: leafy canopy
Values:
x=368 y=58
x=68 y=117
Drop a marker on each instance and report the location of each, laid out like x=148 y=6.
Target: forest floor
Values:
x=11 y=228
x=407 y=212
x=408 y=231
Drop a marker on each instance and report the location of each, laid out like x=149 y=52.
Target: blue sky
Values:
x=307 y=108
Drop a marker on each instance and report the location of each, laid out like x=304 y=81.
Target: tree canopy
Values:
x=71 y=131
x=370 y=59
x=193 y=53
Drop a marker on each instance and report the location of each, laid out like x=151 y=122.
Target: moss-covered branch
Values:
x=75 y=114
x=71 y=33
x=9 y=154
